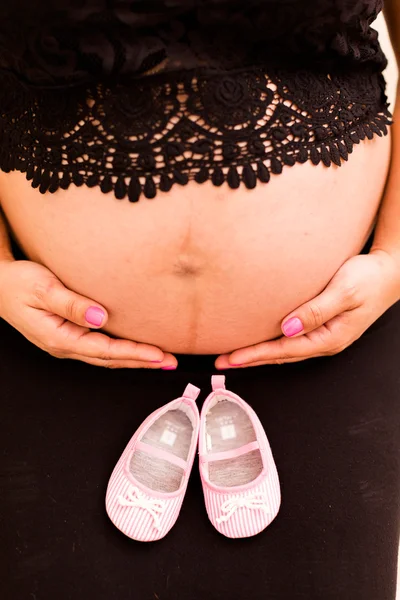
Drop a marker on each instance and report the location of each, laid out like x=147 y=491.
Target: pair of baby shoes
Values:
x=238 y=473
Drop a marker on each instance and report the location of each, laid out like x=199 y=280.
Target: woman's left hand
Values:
x=362 y=289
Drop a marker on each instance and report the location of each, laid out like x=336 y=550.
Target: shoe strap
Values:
x=230 y=453
x=191 y=391
x=158 y=453
x=218 y=382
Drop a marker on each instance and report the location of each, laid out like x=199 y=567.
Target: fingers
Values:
x=93 y=344
x=321 y=309
x=323 y=341
x=323 y=326
x=76 y=312
x=280 y=349
x=56 y=298
x=267 y=362
x=99 y=345
x=117 y=364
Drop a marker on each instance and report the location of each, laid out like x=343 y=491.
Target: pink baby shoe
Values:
x=148 y=484
x=240 y=481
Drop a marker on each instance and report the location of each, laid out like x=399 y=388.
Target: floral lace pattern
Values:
x=157 y=131
x=137 y=97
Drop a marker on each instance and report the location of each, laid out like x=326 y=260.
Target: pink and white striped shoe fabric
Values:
x=240 y=481
x=146 y=489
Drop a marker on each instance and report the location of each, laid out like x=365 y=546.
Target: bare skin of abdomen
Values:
x=201 y=269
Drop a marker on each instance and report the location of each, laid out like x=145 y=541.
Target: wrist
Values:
x=6 y=256
x=4 y=261
x=390 y=261
x=390 y=253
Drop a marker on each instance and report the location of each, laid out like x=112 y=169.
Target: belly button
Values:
x=187 y=265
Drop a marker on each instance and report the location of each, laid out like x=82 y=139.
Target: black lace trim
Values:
x=149 y=134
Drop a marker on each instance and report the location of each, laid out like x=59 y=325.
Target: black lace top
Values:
x=135 y=96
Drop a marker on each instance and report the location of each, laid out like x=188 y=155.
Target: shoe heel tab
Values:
x=191 y=392
x=218 y=382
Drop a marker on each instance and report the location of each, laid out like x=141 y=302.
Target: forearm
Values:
x=5 y=246
x=387 y=231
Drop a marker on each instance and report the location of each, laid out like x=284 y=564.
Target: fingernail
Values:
x=168 y=368
x=292 y=326
x=94 y=315
x=236 y=364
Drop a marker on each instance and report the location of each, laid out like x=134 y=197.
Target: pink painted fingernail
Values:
x=292 y=326
x=94 y=315
x=168 y=368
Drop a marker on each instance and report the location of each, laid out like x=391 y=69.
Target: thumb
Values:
x=316 y=312
x=74 y=307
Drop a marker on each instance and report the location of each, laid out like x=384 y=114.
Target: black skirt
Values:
x=334 y=428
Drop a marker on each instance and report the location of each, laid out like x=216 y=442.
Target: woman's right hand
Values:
x=54 y=318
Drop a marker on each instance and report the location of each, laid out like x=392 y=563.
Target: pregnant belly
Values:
x=202 y=269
